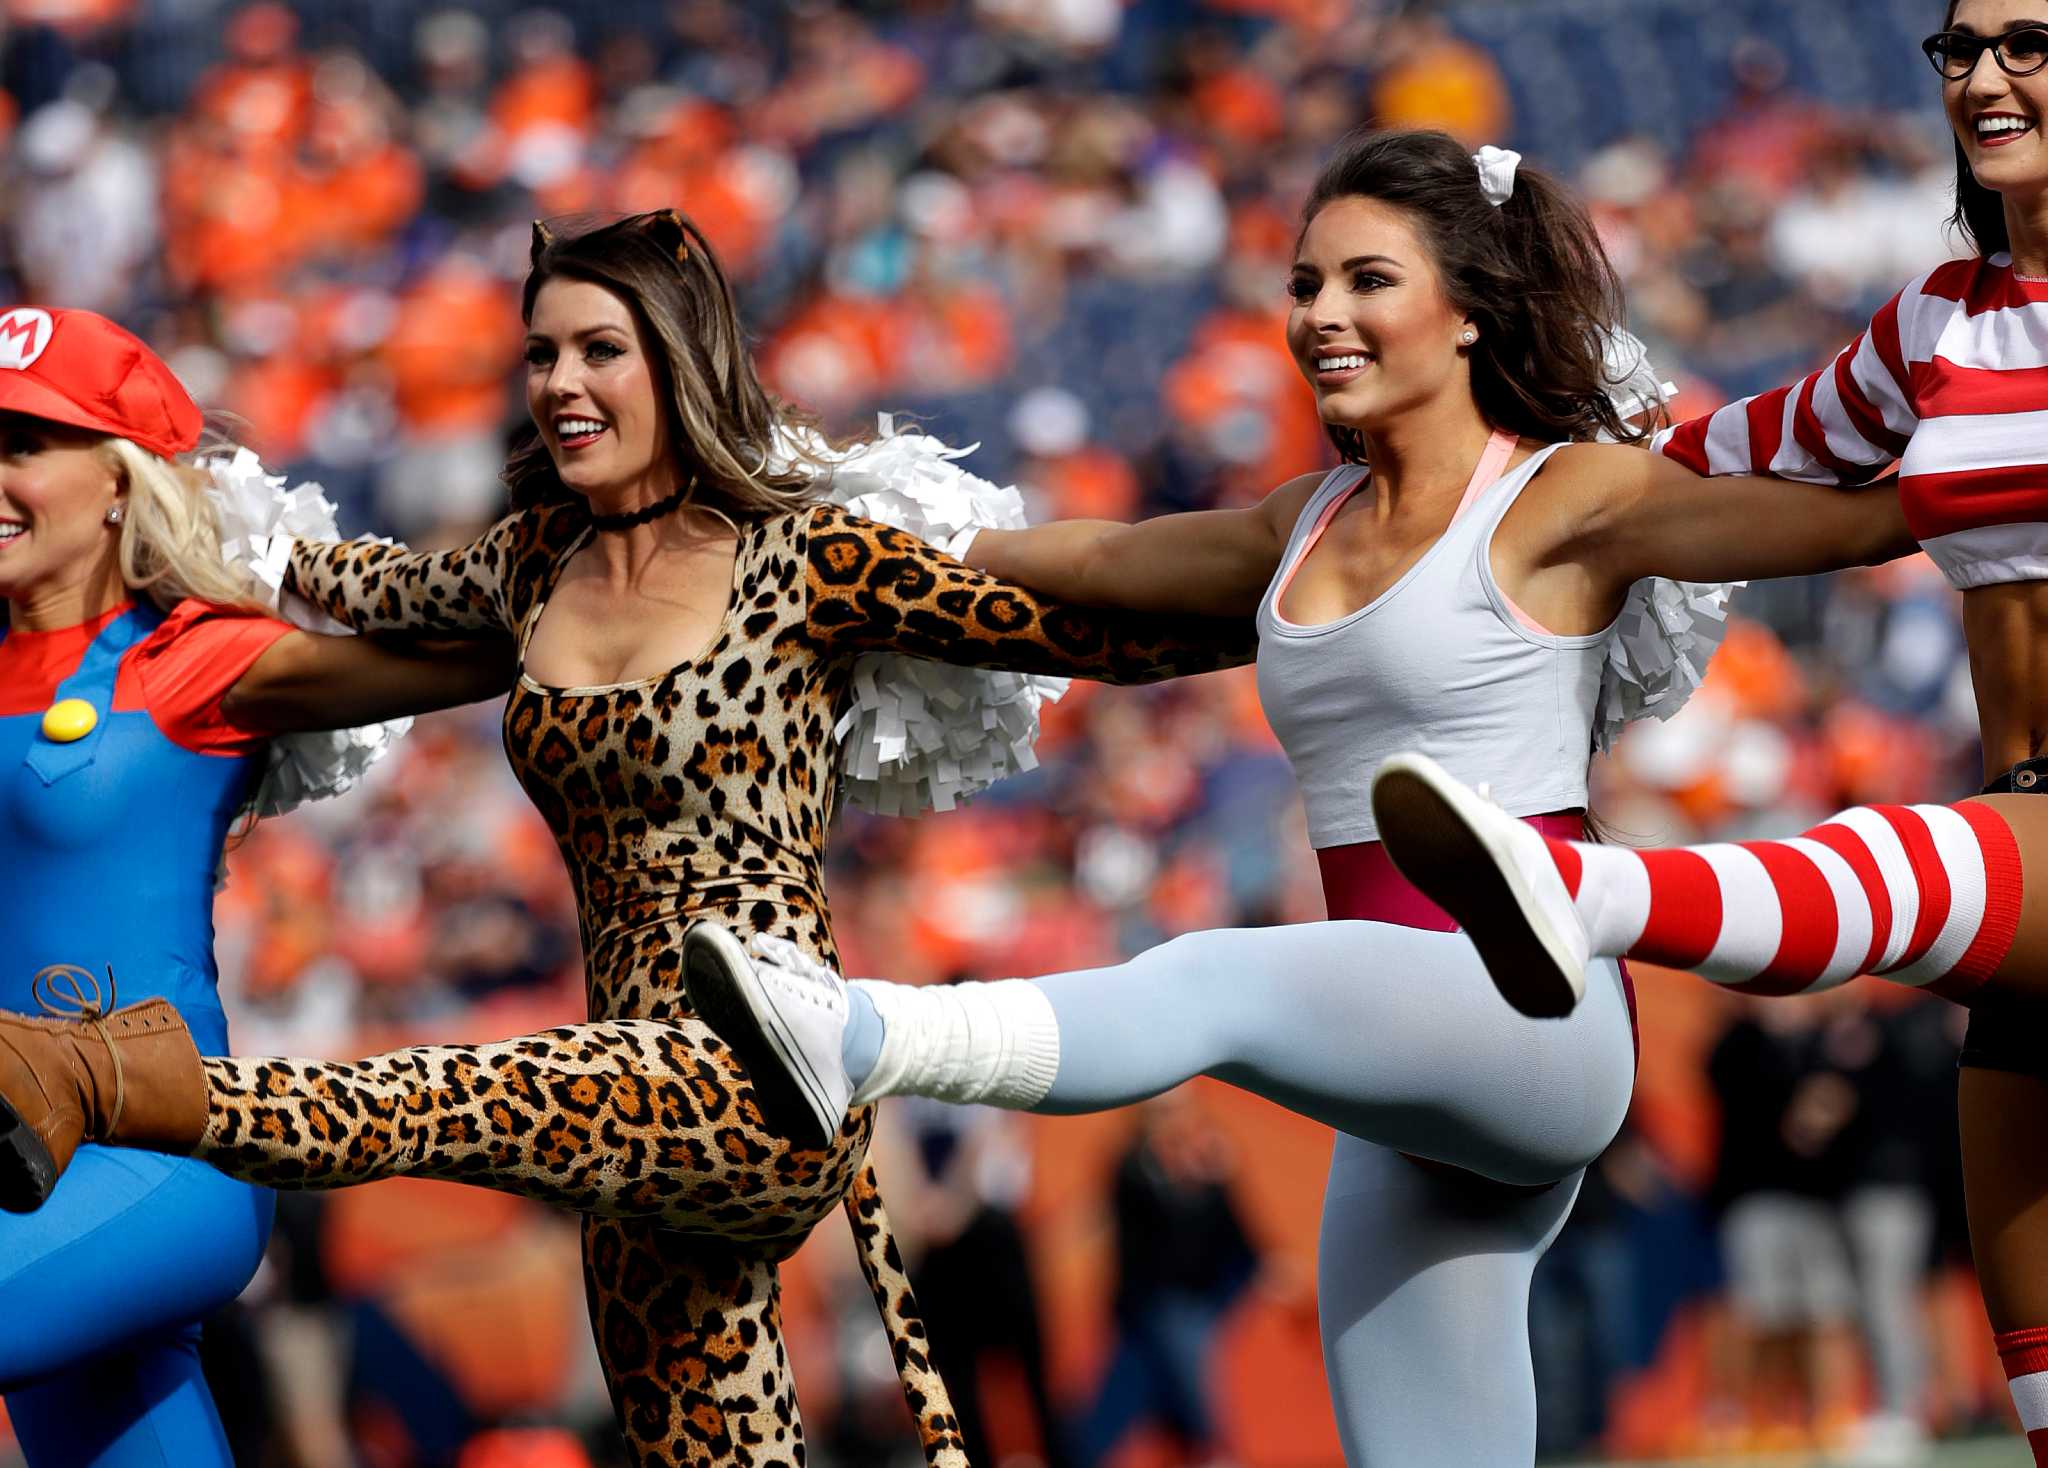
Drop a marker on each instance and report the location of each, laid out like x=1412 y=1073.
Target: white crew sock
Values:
x=997 y=1044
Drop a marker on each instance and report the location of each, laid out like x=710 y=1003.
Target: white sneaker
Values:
x=1490 y=872
x=783 y=1013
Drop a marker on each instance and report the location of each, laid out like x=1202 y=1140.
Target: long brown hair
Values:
x=748 y=451
x=1530 y=274
x=1980 y=211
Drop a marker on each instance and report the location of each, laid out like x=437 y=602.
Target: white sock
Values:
x=993 y=1043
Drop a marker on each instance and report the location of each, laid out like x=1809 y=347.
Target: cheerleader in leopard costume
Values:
x=691 y=618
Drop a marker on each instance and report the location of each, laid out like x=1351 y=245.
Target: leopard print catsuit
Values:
x=704 y=792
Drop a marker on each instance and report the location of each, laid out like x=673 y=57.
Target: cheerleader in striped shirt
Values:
x=1951 y=382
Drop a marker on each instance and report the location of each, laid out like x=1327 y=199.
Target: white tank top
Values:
x=1439 y=662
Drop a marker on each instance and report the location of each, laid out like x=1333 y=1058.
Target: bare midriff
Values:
x=2007 y=628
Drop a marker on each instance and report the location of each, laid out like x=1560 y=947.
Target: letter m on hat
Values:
x=24 y=333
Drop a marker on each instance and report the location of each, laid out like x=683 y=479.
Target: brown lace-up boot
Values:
x=130 y=1076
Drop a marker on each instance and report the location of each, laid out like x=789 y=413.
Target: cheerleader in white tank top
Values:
x=1394 y=610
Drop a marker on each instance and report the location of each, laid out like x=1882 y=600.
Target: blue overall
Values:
x=109 y=844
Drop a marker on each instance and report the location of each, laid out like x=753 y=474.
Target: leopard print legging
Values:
x=630 y=1118
x=649 y=1128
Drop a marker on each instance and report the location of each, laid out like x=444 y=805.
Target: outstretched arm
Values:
x=1817 y=440
x=307 y=680
x=1840 y=425
x=875 y=589
x=1203 y=563
x=1642 y=515
x=387 y=588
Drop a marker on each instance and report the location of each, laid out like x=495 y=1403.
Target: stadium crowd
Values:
x=1059 y=230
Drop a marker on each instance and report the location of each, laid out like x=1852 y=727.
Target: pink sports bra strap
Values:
x=1499 y=449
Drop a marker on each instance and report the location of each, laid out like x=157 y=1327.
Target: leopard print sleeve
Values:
x=872 y=588
x=479 y=587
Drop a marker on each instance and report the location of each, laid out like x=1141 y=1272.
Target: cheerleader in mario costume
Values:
x=1949 y=383
x=139 y=693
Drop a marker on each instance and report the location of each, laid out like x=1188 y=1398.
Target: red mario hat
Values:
x=79 y=368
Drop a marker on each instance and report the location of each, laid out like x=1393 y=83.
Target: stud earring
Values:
x=1469 y=337
x=113 y=514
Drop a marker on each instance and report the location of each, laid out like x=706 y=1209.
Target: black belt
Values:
x=2028 y=777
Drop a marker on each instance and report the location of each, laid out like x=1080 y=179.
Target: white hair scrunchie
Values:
x=1496 y=173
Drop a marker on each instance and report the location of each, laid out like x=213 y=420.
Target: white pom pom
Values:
x=1668 y=631
x=1658 y=652
x=1633 y=385
x=920 y=735
x=259 y=519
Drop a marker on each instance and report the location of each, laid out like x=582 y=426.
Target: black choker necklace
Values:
x=654 y=511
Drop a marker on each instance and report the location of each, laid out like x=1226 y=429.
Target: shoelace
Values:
x=791 y=959
x=67 y=992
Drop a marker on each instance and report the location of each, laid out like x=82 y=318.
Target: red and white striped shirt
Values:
x=1950 y=380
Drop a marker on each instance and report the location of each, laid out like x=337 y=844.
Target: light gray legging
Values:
x=1398 y=1039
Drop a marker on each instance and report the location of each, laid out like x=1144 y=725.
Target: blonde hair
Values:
x=170 y=539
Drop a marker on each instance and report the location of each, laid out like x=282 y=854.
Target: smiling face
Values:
x=1998 y=118
x=593 y=391
x=1371 y=328
x=56 y=487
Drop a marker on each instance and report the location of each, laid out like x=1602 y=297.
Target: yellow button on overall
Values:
x=68 y=719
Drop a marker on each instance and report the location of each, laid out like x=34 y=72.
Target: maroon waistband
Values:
x=1360 y=883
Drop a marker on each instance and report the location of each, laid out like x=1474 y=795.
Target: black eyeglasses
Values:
x=2020 y=52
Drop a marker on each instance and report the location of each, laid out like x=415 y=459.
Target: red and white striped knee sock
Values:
x=2024 y=1354
x=1926 y=895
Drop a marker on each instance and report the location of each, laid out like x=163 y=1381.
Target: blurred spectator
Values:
x=1904 y=1100
x=1858 y=226
x=1428 y=77
x=81 y=216
x=975 y=1282
x=1182 y=1256
x=1790 y=1125
x=1065 y=476
x=1765 y=139
x=451 y=333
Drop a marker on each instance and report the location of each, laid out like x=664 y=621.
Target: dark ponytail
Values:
x=1531 y=275
x=1980 y=212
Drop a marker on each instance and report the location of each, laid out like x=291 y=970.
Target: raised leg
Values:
x=1929 y=896
x=649 y=1119
x=1391 y=1034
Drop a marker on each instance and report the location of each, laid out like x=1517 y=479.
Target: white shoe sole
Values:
x=728 y=996
x=1426 y=821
